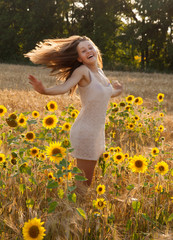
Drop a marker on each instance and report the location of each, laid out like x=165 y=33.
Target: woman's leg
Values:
x=87 y=166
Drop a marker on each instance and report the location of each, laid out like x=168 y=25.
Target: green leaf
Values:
x=71 y=188
x=72 y=197
x=80 y=178
x=81 y=213
x=136 y=205
x=130 y=187
x=52 y=184
x=32 y=180
x=76 y=170
x=170 y=218
x=22 y=188
x=52 y=207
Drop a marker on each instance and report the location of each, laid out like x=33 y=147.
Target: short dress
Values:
x=87 y=135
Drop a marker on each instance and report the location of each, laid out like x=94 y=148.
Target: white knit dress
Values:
x=87 y=134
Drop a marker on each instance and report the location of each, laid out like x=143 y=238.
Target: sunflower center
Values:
x=106 y=155
x=138 y=164
x=13 y=116
x=49 y=121
x=66 y=126
x=34 y=232
x=56 y=151
x=30 y=135
x=160 y=97
x=52 y=106
x=1 y=159
x=34 y=151
x=21 y=120
x=100 y=203
x=161 y=168
x=13 y=161
x=137 y=100
x=1 y=110
x=119 y=157
x=100 y=189
x=129 y=98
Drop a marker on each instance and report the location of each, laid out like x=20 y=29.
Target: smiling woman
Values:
x=77 y=60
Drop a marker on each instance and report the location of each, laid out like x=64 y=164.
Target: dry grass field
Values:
x=135 y=205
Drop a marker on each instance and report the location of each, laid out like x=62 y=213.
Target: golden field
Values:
x=136 y=200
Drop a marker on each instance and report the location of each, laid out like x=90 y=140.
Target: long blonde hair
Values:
x=60 y=55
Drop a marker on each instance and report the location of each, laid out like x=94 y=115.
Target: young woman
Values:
x=77 y=60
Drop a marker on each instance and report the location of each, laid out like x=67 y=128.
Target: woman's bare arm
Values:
x=76 y=76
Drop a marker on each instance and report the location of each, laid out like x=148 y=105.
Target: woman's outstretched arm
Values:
x=76 y=76
x=117 y=89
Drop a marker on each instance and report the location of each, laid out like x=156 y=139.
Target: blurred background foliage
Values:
x=131 y=34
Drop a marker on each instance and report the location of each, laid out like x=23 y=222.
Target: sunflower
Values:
x=35 y=114
x=50 y=176
x=127 y=108
x=60 y=180
x=161 y=114
x=136 y=118
x=106 y=155
x=30 y=136
x=2 y=158
x=13 y=161
x=131 y=126
x=118 y=157
x=52 y=106
x=130 y=99
x=11 y=122
x=140 y=125
x=12 y=116
x=161 y=168
x=138 y=164
x=3 y=110
x=34 y=151
x=114 y=105
x=50 y=121
x=159 y=189
x=118 y=149
x=138 y=101
x=66 y=126
x=100 y=189
x=126 y=155
x=42 y=156
x=22 y=120
x=33 y=230
x=155 y=151
x=66 y=143
x=74 y=114
x=111 y=149
x=116 y=109
x=122 y=104
x=55 y=152
x=100 y=203
x=161 y=128
x=160 y=97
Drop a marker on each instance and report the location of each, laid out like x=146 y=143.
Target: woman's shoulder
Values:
x=83 y=70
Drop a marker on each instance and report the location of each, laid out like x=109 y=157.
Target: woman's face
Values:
x=87 y=53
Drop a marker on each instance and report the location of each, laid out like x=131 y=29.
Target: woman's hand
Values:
x=37 y=85
x=118 y=88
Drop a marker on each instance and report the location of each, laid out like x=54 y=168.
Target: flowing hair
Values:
x=60 y=55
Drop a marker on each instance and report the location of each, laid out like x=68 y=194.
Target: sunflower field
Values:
x=131 y=196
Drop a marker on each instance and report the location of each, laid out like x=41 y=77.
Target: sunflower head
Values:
x=130 y=99
x=161 y=168
x=2 y=158
x=161 y=128
x=33 y=229
x=30 y=136
x=35 y=114
x=34 y=151
x=55 y=152
x=12 y=116
x=3 y=110
x=66 y=143
x=106 y=155
x=138 y=164
x=52 y=106
x=100 y=203
x=11 y=122
x=155 y=151
x=138 y=101
x=22 y=120
x=118 y=157
x=66 y=126
x=50 y=121
x=100 y=189
x=160 y=97
x=122 y=104
x=51 y=176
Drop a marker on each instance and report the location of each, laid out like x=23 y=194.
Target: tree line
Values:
x=131 y=34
